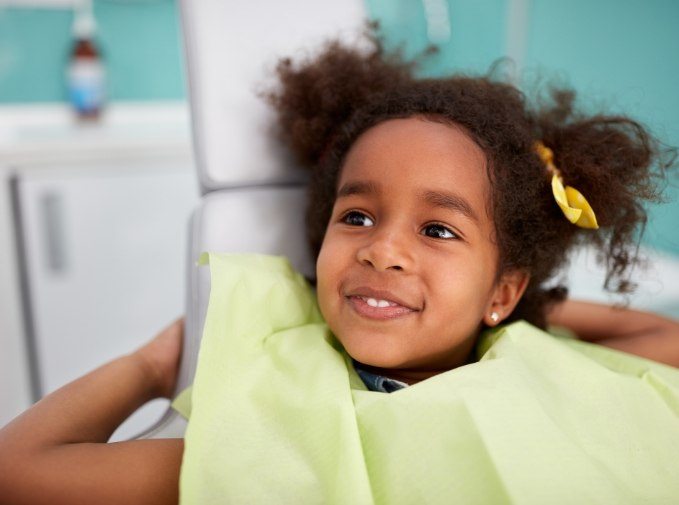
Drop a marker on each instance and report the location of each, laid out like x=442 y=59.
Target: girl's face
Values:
x=407 y=269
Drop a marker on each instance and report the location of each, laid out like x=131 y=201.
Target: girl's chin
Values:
x=377 y=357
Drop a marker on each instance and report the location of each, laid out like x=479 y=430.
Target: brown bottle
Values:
x=86 y=73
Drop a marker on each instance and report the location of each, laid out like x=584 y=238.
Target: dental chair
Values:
x=253 y=195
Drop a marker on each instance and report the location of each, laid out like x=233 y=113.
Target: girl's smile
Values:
x=407 y=273
x=377 y=304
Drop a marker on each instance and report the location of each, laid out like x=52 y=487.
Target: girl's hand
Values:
x=160 y=358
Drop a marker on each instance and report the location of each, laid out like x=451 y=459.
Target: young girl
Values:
x=436 y=212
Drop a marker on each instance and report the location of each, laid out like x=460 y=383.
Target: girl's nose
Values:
x=386 y=250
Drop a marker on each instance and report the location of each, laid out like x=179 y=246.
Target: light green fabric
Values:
x=279 y=415
x=182 y=403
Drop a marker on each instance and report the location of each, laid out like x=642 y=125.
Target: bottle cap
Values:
x=84 y=24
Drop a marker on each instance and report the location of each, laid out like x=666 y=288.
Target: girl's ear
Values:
x=505 y=296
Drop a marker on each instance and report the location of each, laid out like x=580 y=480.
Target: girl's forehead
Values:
x=419 y=155
x=416 y=140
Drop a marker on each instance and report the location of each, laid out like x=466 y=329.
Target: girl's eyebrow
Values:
x=450 y=201
x=357 y=188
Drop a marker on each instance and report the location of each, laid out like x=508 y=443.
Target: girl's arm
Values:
x=641 y=333
x=56 y=451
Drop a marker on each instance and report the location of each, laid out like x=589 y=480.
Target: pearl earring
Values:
x=495 y=317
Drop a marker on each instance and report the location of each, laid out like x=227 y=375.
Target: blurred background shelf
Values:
x=31 y=134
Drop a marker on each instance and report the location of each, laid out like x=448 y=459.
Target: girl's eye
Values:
x=438 y=231
x=355 y=218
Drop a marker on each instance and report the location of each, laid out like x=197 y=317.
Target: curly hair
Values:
x=327 y=101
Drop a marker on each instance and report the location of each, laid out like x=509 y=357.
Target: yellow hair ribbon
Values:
x=573 y=204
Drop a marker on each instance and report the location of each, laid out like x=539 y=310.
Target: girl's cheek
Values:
x=330 y=265
x=330 y=251
x=324 y=291
x=323 y=270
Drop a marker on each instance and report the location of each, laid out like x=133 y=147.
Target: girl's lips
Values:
x=362 y=307
x=367 y=292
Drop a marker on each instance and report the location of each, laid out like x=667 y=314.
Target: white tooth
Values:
x=383 y=303
x=372 y=302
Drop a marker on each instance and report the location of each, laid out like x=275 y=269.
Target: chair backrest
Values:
x=254 y=196
x=232 y=48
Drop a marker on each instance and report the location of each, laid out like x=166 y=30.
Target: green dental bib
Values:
x=279 y=416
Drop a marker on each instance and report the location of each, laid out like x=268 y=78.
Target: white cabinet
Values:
x=102 y=239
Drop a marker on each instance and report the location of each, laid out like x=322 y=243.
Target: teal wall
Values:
x=620 y=54
x=477 y=36
x=140 y=42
